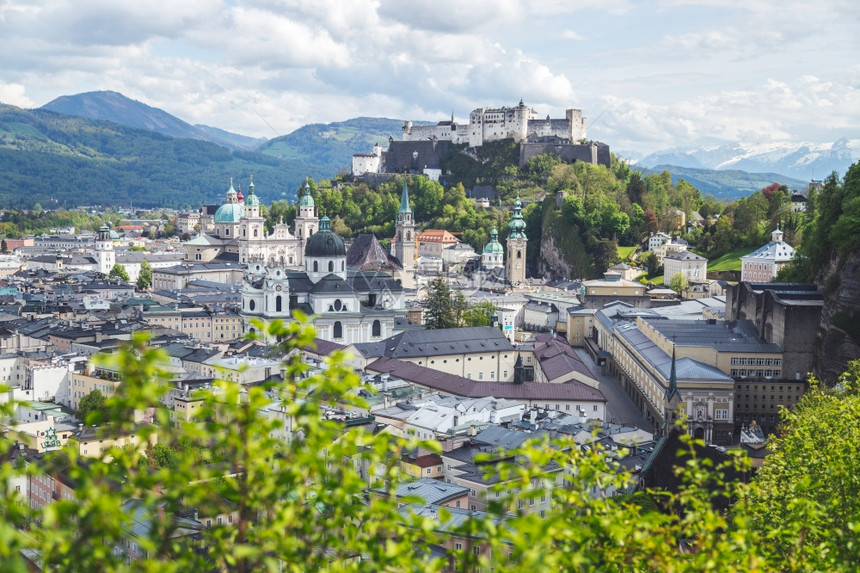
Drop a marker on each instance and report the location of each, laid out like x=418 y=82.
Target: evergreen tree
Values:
x=438 y=310
x=459 y=307
x=4 y=248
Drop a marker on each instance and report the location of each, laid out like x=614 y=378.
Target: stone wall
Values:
x=595 y=152
x=838 y=328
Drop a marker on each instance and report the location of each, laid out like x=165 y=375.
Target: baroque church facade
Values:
x=347 y=305
x=240 y=232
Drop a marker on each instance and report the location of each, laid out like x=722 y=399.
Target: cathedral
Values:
x=348 y=304
x=240 y=232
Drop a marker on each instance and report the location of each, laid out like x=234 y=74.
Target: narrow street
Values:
x=620 y=409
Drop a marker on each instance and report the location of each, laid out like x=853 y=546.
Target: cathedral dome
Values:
x=494 y=247
x=229 y=213
x=325 y=243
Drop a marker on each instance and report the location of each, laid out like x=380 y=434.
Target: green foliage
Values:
x=118 y=271
x=678 y=282
x=91 y=407
x=804 y=502
x=144 y=279
x=438 y=308
x=834 y=229
x=480 y=314
x=304 y=504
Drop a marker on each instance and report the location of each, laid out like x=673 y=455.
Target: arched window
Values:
x=255 y=232
x=376 y=329
x=519 y=254
x=278 y=304
x=331 y=266
x=251 y=305
x=316 y=267
x=342 y=263
x=338 y=329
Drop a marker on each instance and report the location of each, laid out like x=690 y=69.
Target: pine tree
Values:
x=438 y=311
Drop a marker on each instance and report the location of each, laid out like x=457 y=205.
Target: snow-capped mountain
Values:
x=801 y=160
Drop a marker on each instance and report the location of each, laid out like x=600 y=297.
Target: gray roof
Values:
x=438 y=342
x=735 y=336
x=430 y=490
x=685 y=256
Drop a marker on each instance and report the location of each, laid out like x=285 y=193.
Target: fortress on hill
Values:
x=519 y=123
x=422 y=147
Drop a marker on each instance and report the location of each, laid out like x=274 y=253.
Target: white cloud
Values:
x=15 y=94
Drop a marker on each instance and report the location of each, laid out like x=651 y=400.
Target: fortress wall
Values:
x=595 y=153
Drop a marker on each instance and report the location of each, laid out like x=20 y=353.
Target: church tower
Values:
x=307 y=222
x=252 y=237
x=104 y=250
x=515 y=266
x=404 y=245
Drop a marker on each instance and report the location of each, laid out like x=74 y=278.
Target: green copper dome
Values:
x=517 y=225
x=494 y=247
x=252 y=198
x=229 y=213
x=307 y=199
x=325 y=243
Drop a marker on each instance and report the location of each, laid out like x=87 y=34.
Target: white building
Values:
x=657 y=239
x=347 y=305
x=762 y=264
x=492 y=124
x=694 y=267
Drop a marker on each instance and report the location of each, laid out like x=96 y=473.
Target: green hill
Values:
x=59 y=160
x=332 y=145
x=726 y=183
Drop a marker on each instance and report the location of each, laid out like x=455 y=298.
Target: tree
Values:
x=438 y=309
x=144 y=279
x=4 y=248
x=459 y=306
x=118 y=271
x=323 y=502
x=805 y=498
x=678 y=283
x=91 y=406
x=480 y=315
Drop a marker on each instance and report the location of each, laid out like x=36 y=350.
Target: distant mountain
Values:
x=56 y=159
x=332 y=145
x=726 y=183
x=804 y=161
x=115 y=107
x=216 y=135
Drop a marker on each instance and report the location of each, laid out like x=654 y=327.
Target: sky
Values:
x=647 y=75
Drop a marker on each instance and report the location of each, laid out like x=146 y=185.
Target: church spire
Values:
x=404 y=199
x=672 y=390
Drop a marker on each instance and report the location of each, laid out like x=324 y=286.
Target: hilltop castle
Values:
x=422 y=147
x=519 y=123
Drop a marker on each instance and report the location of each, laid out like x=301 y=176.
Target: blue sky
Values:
x=648 y=75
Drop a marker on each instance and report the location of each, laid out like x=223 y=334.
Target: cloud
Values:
x=15 y=94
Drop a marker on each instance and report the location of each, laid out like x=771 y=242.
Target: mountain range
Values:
x=104 y=148
x=805 y=161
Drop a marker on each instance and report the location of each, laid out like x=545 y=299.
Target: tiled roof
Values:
x=459 y=386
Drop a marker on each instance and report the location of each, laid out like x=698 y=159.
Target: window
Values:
x=458 y=546
x=251 y=305
x=331 y=266
x=278 y=303
x=316 y=267
x=429 y=471
x=338 y=329
x=376 y=329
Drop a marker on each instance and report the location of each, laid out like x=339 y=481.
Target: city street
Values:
x=620 y=409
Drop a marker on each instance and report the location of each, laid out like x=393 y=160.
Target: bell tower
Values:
x=404 y=242
x=515 y=265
